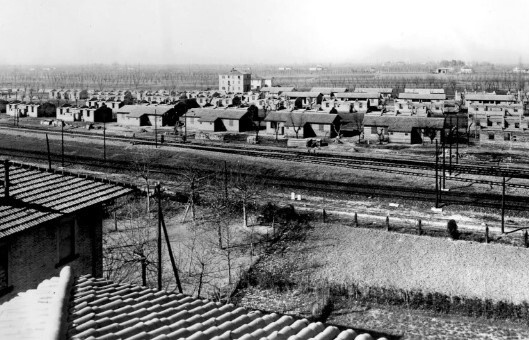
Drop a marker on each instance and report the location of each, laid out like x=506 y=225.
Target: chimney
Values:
x=6 y=178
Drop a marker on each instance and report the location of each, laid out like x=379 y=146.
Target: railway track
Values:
x=387 y=165
x=489 y=200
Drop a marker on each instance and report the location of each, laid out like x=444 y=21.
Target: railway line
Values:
x=418 y=168
x=489 y=200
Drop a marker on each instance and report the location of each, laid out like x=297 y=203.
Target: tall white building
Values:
x=235 y=81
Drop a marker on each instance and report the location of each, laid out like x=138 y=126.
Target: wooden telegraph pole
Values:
x=503 y=207
x=457 y=139
x=48 y=148
x=62 y=143
x=444 y=160
x=155 y=130
x=436 y=174
x=159 y=243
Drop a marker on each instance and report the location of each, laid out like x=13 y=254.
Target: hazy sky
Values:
x=248 y=32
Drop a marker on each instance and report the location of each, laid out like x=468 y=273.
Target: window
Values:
x=66 y=241
x=507 y=137
x=320 y=127
x=374 y=129
x=517 y=125
x=230 y=122
x=405 y=133
x=491 y=135
x=87 y=113
x=515 y=110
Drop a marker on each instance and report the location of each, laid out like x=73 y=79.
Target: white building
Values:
x=235 y=81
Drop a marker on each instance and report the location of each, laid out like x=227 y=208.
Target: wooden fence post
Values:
x=356 y=220
x=387 y=223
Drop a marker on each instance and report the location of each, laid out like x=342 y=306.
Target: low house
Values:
x=145 y=115
x=360 y=101
x=86 y=307
x=329 y=90
x=32 y=110
x=48 y=220
x=302 y=124
x=385 y=92
x=401 y=129
x=303 y=99
x=409 y=102
x=218 y=120
x=12 y=109
x=276 y=91
x=88 y=114
x=258 y=83
x=68 y=113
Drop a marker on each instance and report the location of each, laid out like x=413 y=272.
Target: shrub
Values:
x=451 y=227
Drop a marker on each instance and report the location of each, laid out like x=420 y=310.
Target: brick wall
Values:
x=33 y=253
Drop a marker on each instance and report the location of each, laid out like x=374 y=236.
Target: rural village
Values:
x=221 y=192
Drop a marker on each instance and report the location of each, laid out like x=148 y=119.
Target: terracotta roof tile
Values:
x=38 y=196
x=100 y=309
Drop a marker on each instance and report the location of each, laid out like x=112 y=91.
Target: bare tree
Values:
x=297 y=121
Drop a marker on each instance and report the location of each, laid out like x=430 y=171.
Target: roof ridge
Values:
x=57 y=324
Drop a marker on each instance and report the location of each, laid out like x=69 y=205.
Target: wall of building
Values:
x=33 y=253
x=399 y=137
x=124 y=119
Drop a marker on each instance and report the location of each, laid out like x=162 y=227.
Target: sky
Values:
x=241 y=32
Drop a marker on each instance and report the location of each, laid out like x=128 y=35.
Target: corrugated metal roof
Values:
x=37 y=196
x=328 y=90
x=136 y=111
x=210 y=115
x=496 y=97
x=276 y=90
x=295 y=94
x=357 y=95
x=422 y=96
x=403 y=124
x=296 y=118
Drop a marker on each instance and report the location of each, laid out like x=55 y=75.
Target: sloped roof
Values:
x=496 y=97
x=37 y=196
x=295 y=118
x=423 y=96
x=136 y=111
x=210 y=115
x=277 y=89
x=357 y=95
x=403 y=124
x=374 y=89
x=328 y=90
x=295 y=94
x=100 y=309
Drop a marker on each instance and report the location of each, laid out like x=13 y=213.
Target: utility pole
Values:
x=436 y=174
x=62 y=143
x=450 y=153
x=159 y=237
x=49 y=156
x=225 y=182
x=457 y=139
x=185 y=127
x=104 y=137
x=444 y=159
x=155 y=130
x=503 y=207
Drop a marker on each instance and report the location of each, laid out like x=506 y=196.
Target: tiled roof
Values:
x=37 y=313
x=101 y=309
x=136 y=111
x=95 y=308
x=37 y=196
x=328 y=90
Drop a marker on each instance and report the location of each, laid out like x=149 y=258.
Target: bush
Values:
x=451 y=227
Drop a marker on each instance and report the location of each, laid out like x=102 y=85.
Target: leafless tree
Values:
x=297 y=121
